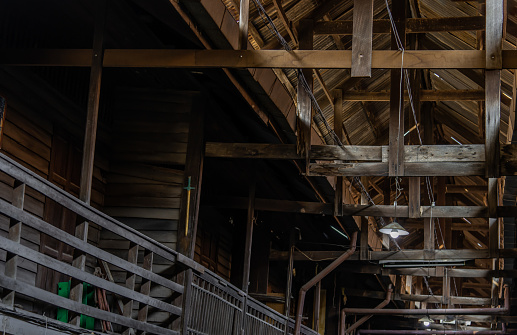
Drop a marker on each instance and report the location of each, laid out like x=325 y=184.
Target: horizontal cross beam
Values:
x=413 y=25
x=303 y=59
x=319 y=208
x=406 y=255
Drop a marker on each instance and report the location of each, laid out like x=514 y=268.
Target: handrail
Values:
x=67 y=200
x=208 y=290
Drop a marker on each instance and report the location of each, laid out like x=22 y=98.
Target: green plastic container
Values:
x=63 y=290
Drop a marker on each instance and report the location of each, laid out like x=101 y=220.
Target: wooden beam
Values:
x=492 y=121
x=417 y=297
x=244 y=15
x=90 y=137
x=414 y=197
x=304 y=106
x=455 y=188
x=285 y=21
x=338 y=129
x=15 y=235
x=318 y=208
x=362 y=39
x=396 y=166
x=306 y=59
x=413 y=25
x=364 y=221
x=494 y=35
x=413 y=153
x=405 y=255
x=426 y=95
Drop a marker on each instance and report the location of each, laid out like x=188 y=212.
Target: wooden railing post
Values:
x=145 y=288
x=132 y=257
x=15 y=232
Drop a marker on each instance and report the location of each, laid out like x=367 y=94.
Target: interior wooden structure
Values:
x=258 y=167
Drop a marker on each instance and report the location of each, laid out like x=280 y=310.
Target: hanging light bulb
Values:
x=426 y=321
x=394 y=229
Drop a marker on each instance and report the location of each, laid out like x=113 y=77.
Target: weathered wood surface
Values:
x=413 y=153
x=288 y=206
x=426 y=95
x=308 y=59
x=413 y=25
x=409 y=255
x=362 y=39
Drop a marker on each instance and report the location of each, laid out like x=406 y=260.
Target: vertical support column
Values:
x=414 y=197
x=494 y=35
x=338 y=129
x=244 y=15
x=445 y=229
x=81 y=230
x=15 y=234
x=132 y=257
x=386 y=190
x=428 y=138
x=446 y=288
x=187 y=227
x=396 y=122
x=317 y=303
x=292 y=241
x=362 y=38
x=306 y=39
x=363 y=250
x=145 y=288
x=248 y=245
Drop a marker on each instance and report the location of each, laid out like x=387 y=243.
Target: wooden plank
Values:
x=338 y=129
x=62 y=267
x=413 y=25
x=426 y=95
x=80 y=308
x=364 y=247
x=15 y=235
x=319 y=208
x=285 y=21
x=304 y=105
x=127 y=310
x=74 y=242
x=244 y=15
x=414 y=197
x=492 y=121
x=89 y=213
x=362 y=39
x=306 y=59
x=419 y=169
x=396 y=155
x=494 y=34
x=90 y=137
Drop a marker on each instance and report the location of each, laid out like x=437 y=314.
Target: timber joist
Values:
x=420 y=160
x=402 y=211
x=301 y=59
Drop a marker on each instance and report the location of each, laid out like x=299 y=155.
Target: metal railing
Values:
x=217 y=308
x=211 y=305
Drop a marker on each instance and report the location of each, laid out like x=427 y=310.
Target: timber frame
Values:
x=368 y=114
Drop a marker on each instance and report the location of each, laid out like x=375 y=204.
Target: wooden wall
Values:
x=145 y=182
x=32 y=116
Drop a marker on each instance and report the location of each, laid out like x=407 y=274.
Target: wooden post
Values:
x=194 y=171
x=15 y=234
x=145 y=288
x=248 y=245
x=396 y=121
x=292 y=241
x=317 y=303
x=338 y=129
x=81 y=230
x=493 y=226
x=244 y=13
x=386 y=190
x=305 y=38
x=414 y=197
x=364 y=222
x=362 y=38
x=428 y=138
x=132 y=257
